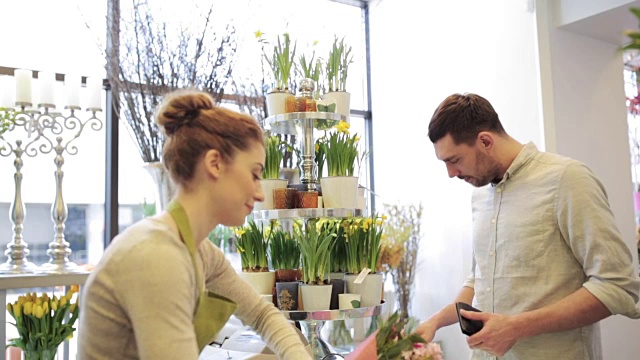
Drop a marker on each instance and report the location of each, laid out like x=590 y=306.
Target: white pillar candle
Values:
x=72 y=90
x=35 y=96
x=7 y=91
x=23 y=85
x=46 y=80
x=94 y=93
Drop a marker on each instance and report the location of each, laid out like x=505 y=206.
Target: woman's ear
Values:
x=213 y=163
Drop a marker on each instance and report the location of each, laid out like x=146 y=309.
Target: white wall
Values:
x=422 y=52
x=583 y=88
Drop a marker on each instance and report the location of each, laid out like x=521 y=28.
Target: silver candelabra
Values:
x=42 y=127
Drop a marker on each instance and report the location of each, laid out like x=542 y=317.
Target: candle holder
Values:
x=18 y=249
x=46 y=125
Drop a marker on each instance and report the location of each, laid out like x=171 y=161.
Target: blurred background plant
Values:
x=156 y=57
x=7 y=118
x=399 y=250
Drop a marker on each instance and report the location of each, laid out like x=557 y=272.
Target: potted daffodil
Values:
x=340 y=148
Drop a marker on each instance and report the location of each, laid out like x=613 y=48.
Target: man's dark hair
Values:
x=463 y=116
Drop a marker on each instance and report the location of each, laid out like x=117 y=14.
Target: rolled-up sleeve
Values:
x=587 y=224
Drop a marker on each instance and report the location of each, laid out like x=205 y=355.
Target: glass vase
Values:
x=42 y=354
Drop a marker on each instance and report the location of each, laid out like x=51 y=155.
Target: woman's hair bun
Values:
x=182 y=108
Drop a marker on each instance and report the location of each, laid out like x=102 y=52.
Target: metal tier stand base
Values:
x=320 y=348
x=313 y=321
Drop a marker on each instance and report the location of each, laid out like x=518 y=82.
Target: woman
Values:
x=145 y=299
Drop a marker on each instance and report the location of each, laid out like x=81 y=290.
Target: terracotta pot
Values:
x=288 y=275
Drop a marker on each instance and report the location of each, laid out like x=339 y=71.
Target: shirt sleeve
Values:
x=264 y=318
x=588 y=225
x=471 y=279
x=158 y=296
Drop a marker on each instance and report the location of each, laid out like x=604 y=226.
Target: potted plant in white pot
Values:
x=315 y=248
x=340 y=188
x=281 y=62
x=336 y=71
x=363 y=250
x=253 y=245
x=274 y=149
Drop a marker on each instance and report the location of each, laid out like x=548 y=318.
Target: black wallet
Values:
x=468 y=327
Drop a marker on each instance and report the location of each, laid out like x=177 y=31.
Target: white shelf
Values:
x=25 y=281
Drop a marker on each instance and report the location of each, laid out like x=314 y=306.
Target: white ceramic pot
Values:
x=342 y=100
x=262 y=282
x=316 y=297
x=276 y=102
x=268 y=185
x=339 y=192
x=370 y=289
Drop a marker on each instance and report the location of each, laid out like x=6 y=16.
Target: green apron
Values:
x=212 y=310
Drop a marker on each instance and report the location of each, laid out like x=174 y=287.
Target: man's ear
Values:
x=213 y=163
x=485 y=139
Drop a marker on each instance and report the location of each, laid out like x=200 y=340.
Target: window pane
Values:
x=65 y=37
x=272 y=18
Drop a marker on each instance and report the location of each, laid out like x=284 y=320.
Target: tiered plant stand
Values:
x=303 y=125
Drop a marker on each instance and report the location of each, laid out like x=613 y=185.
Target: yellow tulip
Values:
x=39 y=301
x=28 y=308
x=22 y=300
x=69 y=295
x=45 y=307
x=63 y=301
x=45 y=297
x=73 y=307
x=39 y=312
x=10 y=308
x=75 y=288
x=17 y=310
x=54 y=305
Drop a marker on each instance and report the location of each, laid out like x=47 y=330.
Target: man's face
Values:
x=472 y=163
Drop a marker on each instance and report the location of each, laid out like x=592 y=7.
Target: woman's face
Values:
x=240 y=185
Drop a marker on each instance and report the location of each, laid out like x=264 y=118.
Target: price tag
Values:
x=360 y=278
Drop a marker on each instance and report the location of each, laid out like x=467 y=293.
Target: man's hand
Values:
x=498 y=334
x=427 y=330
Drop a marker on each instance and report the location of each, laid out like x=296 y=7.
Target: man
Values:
x=548 y=259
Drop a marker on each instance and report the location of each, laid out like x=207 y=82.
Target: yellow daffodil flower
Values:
x=343 y=127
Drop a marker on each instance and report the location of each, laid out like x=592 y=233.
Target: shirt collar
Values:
x=528 y=152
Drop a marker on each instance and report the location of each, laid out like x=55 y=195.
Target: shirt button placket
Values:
x=492 y=258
